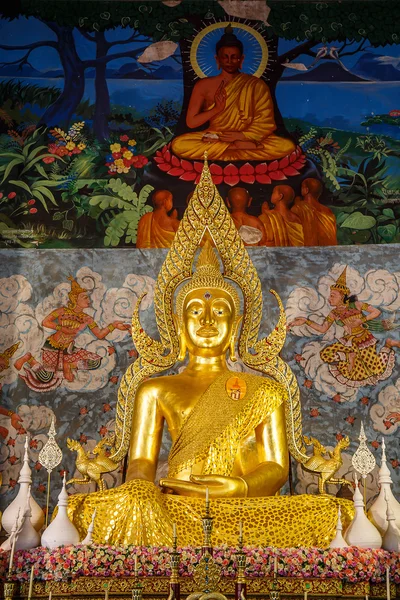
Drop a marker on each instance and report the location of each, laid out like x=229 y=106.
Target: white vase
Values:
x=61 y=532
x=339 y=541
x=361 y=532
x=27 y=536
x=391 y=539
x=377 y=512
x=19 y=502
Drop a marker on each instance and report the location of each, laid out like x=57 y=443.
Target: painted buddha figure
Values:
x=238 y=109
x=231 y=431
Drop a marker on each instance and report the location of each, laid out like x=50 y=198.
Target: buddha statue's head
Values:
x=207 y=311
x=229 y=52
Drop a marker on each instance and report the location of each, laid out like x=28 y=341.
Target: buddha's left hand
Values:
x=219 y=486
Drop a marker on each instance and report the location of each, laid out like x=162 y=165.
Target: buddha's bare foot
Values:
x=21 y=361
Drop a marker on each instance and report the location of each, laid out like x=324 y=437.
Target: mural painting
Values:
x=342 y=344
x=106 y=109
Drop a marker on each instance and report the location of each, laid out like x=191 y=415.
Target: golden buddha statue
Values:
x=238 y=109
x=231 y=431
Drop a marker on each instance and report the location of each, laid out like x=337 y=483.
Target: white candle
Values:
x=50 y=594
x=106 y=593
x=366 y=596
x=31 y=584
x=207 y=495
x=305 y=595
x=276 y=565
x=387 y=583
x=174 y=530
x=240 y=529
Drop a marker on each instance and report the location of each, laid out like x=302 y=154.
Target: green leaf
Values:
x=58 y=216
x=388 y=212
x=21 y=184
x=359 y=221
x=68 y=224
x=387 y=232
x=10 y=167
x=43 y=190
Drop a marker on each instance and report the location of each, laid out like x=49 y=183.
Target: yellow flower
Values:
x=132 y=142
x=81 y=146
x=119 y=163
x=128 y=154
x=123 y=170
x=115 y=147
x=70 y=146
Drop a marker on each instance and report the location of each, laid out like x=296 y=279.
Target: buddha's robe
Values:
x=326 y=227
x=281 y=231
x=307 y=216
x=249 y=109
x=151 y=235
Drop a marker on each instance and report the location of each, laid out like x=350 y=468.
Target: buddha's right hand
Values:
x=220 y=97
x=219 y=486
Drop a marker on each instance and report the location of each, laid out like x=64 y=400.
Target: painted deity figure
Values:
x=238 y=109
x=231 y=431
x=60 y=357
x=354 y=359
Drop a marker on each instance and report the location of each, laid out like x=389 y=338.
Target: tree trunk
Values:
x=63 y=109
x=102 y=107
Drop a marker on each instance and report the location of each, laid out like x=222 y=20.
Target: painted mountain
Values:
x=377 y=67
x=326 y=71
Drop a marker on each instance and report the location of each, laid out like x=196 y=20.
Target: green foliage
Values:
x=14 y=94
x=325 y=152
x=123 y=207
x=330 y=21
x=376 y=145
x=362 y=215
x=382 y=119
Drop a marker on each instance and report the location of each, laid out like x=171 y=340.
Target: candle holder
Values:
x=207 y=574
x=10 y=588
x=174 y=584
x=240 y=584
x=137 y=590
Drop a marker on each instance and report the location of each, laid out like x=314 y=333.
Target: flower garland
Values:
x=68 y=562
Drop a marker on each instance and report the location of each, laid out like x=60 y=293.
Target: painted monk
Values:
x=250 y=228
x=157 y=229
x=306 y=214
x=239 y=110
x=283 y=227
x=325 y=221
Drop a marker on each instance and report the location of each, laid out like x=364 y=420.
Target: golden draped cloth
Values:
x=138 y=513
x=249 y=109
x=281 y=232
x=217 y=424
x=151 y=235
x=326 y=227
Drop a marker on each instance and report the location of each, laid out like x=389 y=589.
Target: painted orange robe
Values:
x=326 y=227
x=249 y=109
x=151 y=235
x=307 y=217
x=281 y=232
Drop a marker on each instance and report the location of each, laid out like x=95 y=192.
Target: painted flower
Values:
x=364 y=400
x=37 y=466
x=339 y=436
x=11 y=195
x=83 y=410
x=337 y=398
x=33 y=443
x=350 y=419
x=132 y=143
x=12 y=459
x=375 y=444
x=109 y=158
x=82 y=438
x=81 y=146
x=298 y=357
x=103 y=430
x=11 y=441
x=48 y=159
x=70 y=145
x=106 y=407
x=314 y=412
x=114 y=379
x=308 y=383
x=124 y=138
x=127 y=154
x=33 y=211
x=115 y=147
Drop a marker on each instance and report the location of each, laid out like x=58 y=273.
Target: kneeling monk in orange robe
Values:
x=325 y=220
x=157 y=229
x=283 y=228
x=239 y=110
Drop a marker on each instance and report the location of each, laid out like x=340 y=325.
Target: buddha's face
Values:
x=229 y=59
x=208 y=321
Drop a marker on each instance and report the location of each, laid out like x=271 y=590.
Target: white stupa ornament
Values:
x=377 y=512
x=19 y=502
x=391 y=539
x=88 y=539
x=339 y=541
x=61 y=532
x=28 y=537
x=361 y=532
